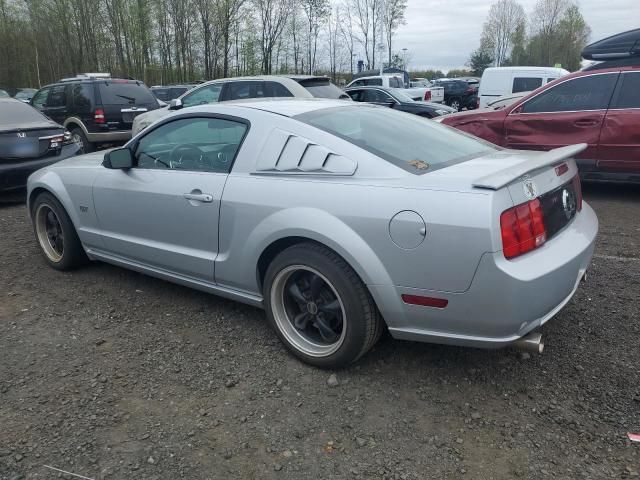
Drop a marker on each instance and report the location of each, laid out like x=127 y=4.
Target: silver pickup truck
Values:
x=419 y=94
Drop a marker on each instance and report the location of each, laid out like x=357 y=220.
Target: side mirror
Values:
x=175 y=104
x=119 y=158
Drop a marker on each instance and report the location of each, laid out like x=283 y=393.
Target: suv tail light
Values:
x=427 y=95
x=98 y=116
x=522 y=229
x=577 y=187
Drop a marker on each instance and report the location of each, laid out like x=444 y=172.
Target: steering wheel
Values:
x=186 y=152
x=225 y=155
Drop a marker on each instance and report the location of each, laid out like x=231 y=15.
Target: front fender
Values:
x=50 y=181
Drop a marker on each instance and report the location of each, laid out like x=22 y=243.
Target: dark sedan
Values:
x=398 y=100
x=28 y=141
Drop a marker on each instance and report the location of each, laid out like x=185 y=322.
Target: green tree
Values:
x=479 y=61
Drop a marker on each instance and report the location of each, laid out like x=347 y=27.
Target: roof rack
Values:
x=86 y=76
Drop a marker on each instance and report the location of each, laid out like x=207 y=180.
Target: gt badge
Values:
x=530 y=188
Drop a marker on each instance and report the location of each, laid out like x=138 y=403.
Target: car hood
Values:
x=460 y=118
x=145 y=119
x=82 y=161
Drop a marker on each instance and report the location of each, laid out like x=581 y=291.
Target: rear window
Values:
x=12 y=113
x=322 y=88
x=412 y=143
x=526 y=84
x=130 y=93
x=395 y=82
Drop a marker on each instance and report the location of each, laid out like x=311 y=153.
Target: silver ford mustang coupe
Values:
x=338 y=219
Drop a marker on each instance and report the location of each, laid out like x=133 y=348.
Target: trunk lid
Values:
x=30 y=143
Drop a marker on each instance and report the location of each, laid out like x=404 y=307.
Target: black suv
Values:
x=459 y=94
x=95 y=108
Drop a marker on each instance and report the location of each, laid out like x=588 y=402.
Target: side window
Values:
x=241 y=90
x=551 y=79
x=376 y=96
x=193 y=144
x=39 y=100
x=275 y=89
x=395 y=82
x=356 y=95
x=373 y=82
x=204 y=95
x=57 y=96
x=358 y=83
x=525 y=84
x=81 y=94
x=629 y=92
x=584 y=93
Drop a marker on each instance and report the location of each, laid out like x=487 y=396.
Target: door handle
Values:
x=585 y=123
x=199 y=197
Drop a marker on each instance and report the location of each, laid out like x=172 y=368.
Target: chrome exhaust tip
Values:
x=531 y=342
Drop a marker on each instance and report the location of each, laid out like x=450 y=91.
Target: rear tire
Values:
x=56 y=234
x=78 y=136
x=319 y=307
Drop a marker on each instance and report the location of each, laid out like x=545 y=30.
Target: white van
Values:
x=499 y=81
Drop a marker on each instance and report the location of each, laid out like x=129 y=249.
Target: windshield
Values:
x=125 y=93
x=25 y=94
x=416 y=144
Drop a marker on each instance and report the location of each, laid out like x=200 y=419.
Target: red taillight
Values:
x=427 y=95
x=577 y=187
x=522 y=228
x=425 y=301
x=98 y=115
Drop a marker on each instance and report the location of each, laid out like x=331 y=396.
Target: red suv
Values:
x=599 y=106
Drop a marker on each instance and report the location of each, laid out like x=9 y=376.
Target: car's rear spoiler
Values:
x=507 y=175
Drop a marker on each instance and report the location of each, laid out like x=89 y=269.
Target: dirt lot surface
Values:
x=110 y=374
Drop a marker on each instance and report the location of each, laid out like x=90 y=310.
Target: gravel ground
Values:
x=110 y=374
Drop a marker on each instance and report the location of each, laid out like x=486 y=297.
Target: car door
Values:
x=569 y=112
x=619 y=149
x=56 y=106
x=163 y=212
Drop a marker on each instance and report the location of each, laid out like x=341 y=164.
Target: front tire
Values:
x=319 y=307
x=56 y=234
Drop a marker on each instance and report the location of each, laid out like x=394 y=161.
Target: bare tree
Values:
x=500 y=27
x=547 y=15
x=392 y=18
x=316 y=12
x=273 y=15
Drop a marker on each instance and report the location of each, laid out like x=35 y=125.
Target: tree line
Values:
x=554 y=33
x=175 y=41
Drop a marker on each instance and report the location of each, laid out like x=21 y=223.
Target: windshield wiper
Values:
x=131 y=99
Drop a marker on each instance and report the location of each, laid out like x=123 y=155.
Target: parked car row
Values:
x=598 y=106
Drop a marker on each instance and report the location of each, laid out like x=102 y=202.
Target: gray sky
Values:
x=442 y=33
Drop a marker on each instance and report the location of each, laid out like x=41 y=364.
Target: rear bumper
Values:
x=506 y=299
x=109 y=137
x=13 y=176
